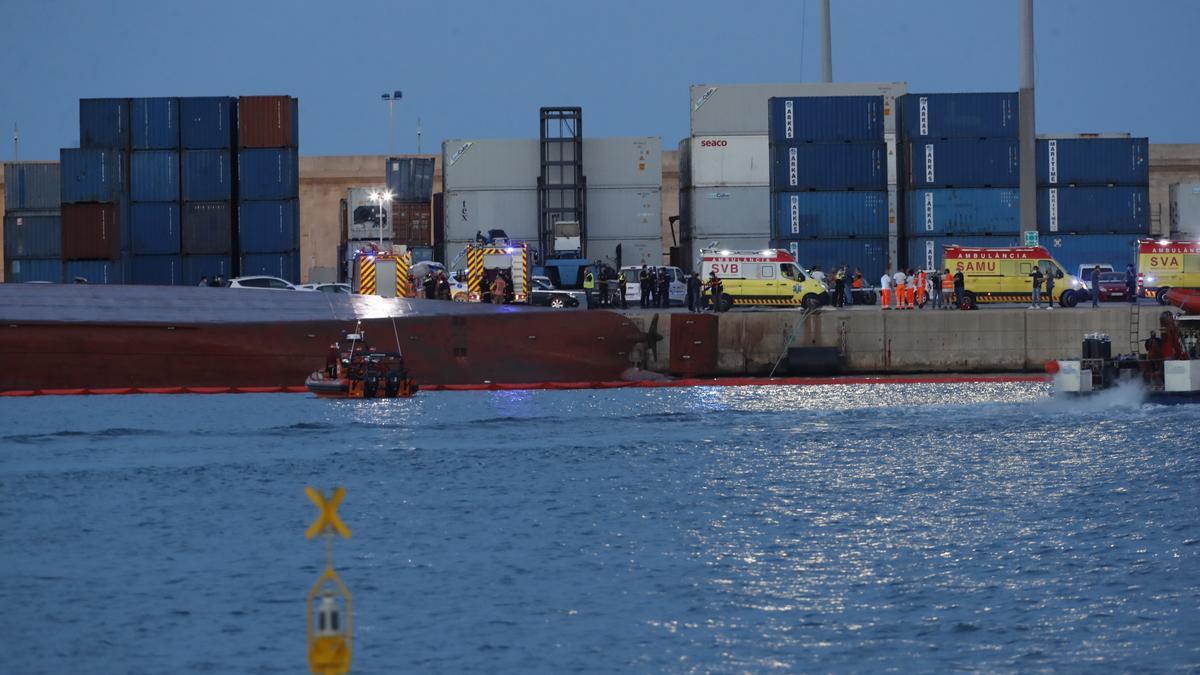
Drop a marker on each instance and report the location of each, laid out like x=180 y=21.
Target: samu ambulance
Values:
x=769 y=277
x=1001 y=274
x=1163 y=265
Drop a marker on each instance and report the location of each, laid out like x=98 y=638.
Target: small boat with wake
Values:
x=353 y=369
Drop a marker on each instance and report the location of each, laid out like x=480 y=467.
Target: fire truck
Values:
x=484 y=262
x=383 y=274
x=769 y=277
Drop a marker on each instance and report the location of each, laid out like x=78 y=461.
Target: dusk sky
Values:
x=475 y=69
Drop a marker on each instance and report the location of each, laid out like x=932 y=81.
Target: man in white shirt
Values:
x=901 y=286
x=885 y=289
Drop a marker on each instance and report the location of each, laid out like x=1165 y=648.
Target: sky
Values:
x=482 y=68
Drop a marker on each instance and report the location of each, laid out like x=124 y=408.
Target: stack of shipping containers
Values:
x=829 y=197
x=1093 y=198
x=95 y=195
x=268 y=187
x=725 y=171
x=32 y=222
x=410 y=180
x=961 y=174
x=207 y=137
x=154 y=189
x=1185 y=210
x=492 y=184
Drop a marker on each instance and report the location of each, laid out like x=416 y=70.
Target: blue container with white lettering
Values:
x=866 y=255
x=826 y=119
x=798 y=215
x=156 y=270
x=990 y=162
x=207 y=122
x=154 y=123
x=32 y=235
x=207 y=176
x=93 y=271
x=268 y=174
x=829 y=166
x=155 y=228
x=154 y=176
x=1093 y=161
x=268 y=227
x=1114 y=209
x=91 y=175
x=1073 y=250
x=282 y=265
x=949 y=211
x=25 y=270
x=970 y=115
x=104 y=123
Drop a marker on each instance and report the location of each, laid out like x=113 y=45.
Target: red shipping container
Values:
x=268 y=122
x=90 y=232
x=412 y=223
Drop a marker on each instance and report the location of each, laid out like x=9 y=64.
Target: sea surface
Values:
x=715 y=529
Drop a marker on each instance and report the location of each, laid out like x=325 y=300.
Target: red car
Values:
x=1112 y=286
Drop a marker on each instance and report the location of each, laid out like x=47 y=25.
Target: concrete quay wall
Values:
x=873 y=341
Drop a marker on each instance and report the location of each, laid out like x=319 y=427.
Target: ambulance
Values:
x=1001 y=274
x=769 y=277
x=1163 y=265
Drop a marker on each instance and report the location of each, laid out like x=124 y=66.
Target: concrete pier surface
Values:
x=868 y=340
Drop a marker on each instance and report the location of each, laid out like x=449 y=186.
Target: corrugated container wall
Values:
x=1073 y=250
x=412 y=223
x=741 y=109
x=622 y=162
x=268 y=227
x=829 y=166
x=868 y=255
x=91 y=175
x=808 y=215
x=93 y=271
x=490 y=165
x=942 y=211
x=728 y=161
x=976 y=115
x=624 y=213
x=727 y=212
x=211 y=266
x=155 y=270
x=826 y=119
x=154 y=176
x=154 y=123
x=207 y=228
x=31 y=235
x=268 y=122
x=268 y=174
x=207 y=176
x=1185 y=209
x=471 y=211
x=154 y=228
x=34 y=269
x=992 y=162
x=926 y=252
x=410 y=179
x=1095 y=210
x=282 y=265
x=104 y=123
x=90 y=232
x=1093 y=161
x=32 y=186
x=207 y=123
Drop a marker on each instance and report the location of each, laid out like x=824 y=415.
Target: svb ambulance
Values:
x=769 y=277
x=1163 y=265
x=1001 y=274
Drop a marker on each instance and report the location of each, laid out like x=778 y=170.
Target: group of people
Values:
x=655 y=286
x=844 y=283
x=432 y=287
x=910 y=289
x=609 y=289
x=1048 y=276
x=215 y=282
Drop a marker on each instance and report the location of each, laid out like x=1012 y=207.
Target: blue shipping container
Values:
x=941 y=211
x=156 y=270
x=926 y=252
x=268 y=227
x=868 y=255
x=207 y=122
x=32 y=235
x=826 y=119
x=282 y=265
x=94 y=271
x=104 y=123
x=1094 y=210
x=829 y=214
x=1093 y=161
x=993 y=162
x=207 y=228
x=32 y=186
x=829 y=166
x=1073 y=250
x=154 y=228
x=154 y=123
x=268 y=174
x=33 y=269
x=981 y=115
x=91 y=175
x=207 y=176
x=211 y=266
x=410 y=179
x=154 y=176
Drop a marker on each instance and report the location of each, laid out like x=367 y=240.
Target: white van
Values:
x=633 y=288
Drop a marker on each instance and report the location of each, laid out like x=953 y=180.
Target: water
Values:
x=974 y=526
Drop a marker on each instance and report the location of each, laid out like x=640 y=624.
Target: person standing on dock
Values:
x=922 y=284
x=1049 y=287
x=885 y=288
x=498 y=288
x=959 y=288
x=693 y=292
x=1131 y=283
x=839 y=287
x=644 y=287
x=1095 y=286
x=1036 y=275
x=664 y=288
x=935 y=289
x=900 y=286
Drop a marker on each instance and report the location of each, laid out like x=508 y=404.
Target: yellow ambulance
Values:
x=769 y=277
x=1163 y=265
x=1001 y=274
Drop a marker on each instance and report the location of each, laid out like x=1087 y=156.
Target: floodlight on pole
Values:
x=391 y=101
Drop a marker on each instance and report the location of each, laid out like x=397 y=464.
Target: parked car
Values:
x=1112 y=286
x=260 y=282
x=545 y=294
x=325 y=288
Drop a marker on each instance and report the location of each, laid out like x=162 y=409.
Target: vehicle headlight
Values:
x=1149 y=280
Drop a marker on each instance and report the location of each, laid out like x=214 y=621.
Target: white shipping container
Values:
x=742 y=108
x=501 y=164
x=623 y=162
x=471 y=211
x=1185 y=209
x=614 y=213
x=728 y=161
x=648 y=251
x=727 y=213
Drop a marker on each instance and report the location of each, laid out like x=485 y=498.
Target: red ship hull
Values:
x=64 y=337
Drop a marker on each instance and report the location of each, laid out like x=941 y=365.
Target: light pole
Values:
x=379 y=198
x=391 y=100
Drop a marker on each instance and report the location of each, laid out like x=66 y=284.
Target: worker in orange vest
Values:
x=922 y=280
x=948 y=290
x=885 y=289
x=900 y=284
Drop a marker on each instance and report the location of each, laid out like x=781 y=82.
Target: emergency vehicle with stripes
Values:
x=1164 y=264
x=768 y=277
x=484 y=262
x=1002 y=274
x=382 y=274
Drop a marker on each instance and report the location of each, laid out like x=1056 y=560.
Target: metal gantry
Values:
x=562 y=187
